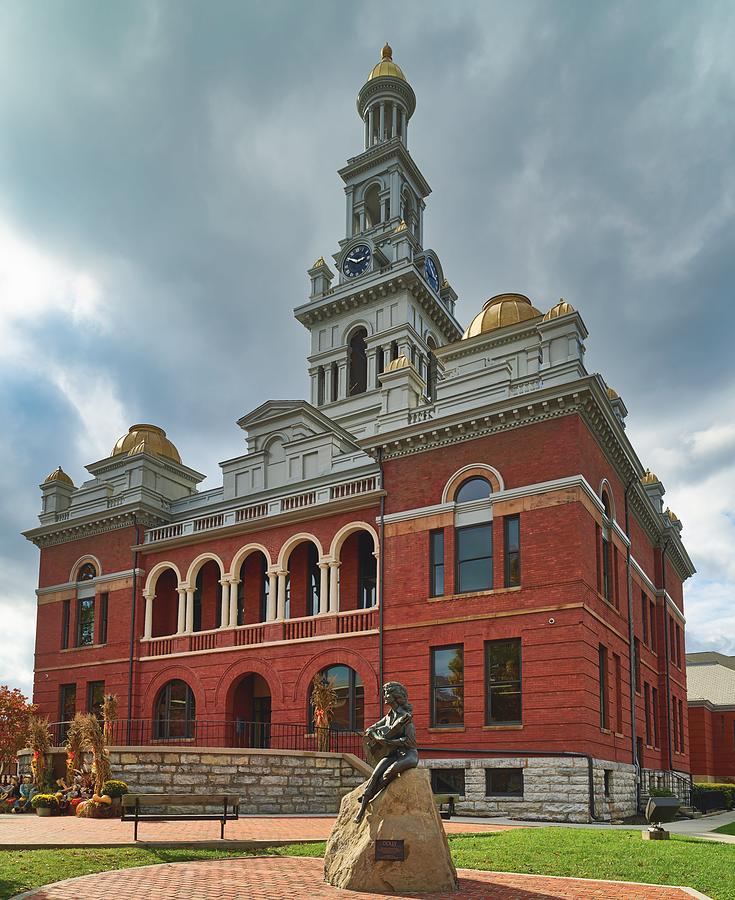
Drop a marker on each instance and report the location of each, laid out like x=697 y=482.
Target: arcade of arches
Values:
x=302 y=583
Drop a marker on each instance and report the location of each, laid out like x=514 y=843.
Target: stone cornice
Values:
x=379 y=154
x=585 y=397
x=75 y=529
x=402 y=275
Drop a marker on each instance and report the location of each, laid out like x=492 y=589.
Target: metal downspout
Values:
x=381 y=530
x=668 y=655
x=132 y=630
x=631 y=654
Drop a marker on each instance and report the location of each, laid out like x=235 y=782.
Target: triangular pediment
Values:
x=297 y=417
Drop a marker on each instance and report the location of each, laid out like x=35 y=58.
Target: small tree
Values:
x=15 y=713
x=323 y=702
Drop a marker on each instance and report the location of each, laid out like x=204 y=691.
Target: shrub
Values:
x=727 y=789
x=45 y=801
x=114 y=788
x=660 y=792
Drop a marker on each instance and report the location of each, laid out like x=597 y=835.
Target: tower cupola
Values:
x=386 y=102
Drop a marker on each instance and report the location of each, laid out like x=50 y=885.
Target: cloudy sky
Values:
x=168 y=173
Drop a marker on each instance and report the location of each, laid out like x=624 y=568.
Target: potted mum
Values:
x=45 y=804
x=115 y=789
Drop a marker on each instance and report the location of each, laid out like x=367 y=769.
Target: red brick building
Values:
x=459 y=511
x=711 y=702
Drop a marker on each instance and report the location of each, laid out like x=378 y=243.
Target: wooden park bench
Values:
x=133 y=806
x=447 y=800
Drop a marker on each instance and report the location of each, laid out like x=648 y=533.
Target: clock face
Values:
x=356 y=261
x=432 y=276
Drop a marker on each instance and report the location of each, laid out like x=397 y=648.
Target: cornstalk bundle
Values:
x=75 y=747
x=323 y=701
x=109 y=715
x=39 y=739
x=94 y=740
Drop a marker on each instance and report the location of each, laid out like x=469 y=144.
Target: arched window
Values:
x=606 y=574
x=86 y=572
x=372 y=206
x=367 y=572
x=474 y=488
x=175 y=711
x=357 y=368
x=313 y=580
x=431 y=369
x=349 y=713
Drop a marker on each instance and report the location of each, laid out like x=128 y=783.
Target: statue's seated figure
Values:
x=390 y=744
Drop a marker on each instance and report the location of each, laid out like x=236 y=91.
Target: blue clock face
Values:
x=356 y=261
x=432 y=276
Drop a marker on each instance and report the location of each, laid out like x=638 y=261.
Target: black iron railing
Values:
x=207 y=733
x=653 y=780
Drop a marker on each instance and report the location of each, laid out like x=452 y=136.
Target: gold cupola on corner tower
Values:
x=386 y=102
x=499 y=311
x=146 y=439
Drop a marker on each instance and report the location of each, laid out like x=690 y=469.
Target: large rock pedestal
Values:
x=406 y=811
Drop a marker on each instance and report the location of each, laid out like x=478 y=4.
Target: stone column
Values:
x=323 y=587
x=181 y=617
x=189 y=611
x=334 y=585
x=371 y=126
x=233 y=602
x=281 y=603
x=372 y=365
x=367 y=132
x=224 y=612
x=148 y=626
x=394 y=129
x=342 y=370
x=270 y=613
x=381 y=136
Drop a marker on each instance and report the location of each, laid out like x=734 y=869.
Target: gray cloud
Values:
x=183 y=156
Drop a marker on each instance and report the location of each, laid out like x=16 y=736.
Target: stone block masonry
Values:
x=555 y=789
x=267 y=781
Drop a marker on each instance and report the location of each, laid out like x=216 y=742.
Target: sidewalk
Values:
x=32 y=832
x=700 y=828
x=289 y=878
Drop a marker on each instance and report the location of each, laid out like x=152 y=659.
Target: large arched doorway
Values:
x=251 y=711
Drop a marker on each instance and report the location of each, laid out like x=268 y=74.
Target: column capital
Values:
x=324 y=563
x=149 y=595
x=334 y=564
x=184 y=586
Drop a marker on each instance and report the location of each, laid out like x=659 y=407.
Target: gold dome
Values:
x=400 y=362
x=650 y=477
x=386 y=66
x=58 y=475
x=672 y=516
x=612 y=394
x=318 y=263
x=499 y=311
x=146 y=439
x=561 y=309
x=401 y=226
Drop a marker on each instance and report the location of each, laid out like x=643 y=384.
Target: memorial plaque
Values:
x=393 y=851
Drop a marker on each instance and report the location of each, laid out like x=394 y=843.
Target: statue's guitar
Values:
x=375 y=738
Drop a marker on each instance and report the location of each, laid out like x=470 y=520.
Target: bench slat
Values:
x=129 y=800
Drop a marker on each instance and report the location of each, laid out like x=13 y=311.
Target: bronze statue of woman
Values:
x=391 y=742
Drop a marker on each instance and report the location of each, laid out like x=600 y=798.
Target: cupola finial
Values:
x=387 y=51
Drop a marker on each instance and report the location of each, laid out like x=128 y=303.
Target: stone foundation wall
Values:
x=555 y=789
x=267 y=781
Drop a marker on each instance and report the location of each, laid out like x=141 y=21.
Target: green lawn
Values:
x=584 y=853
x=726 y=829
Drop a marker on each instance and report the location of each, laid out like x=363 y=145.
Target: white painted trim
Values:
x=637 y=566
x=671 y=605
x=478 y=465
x=101 y=579
x=528 y=490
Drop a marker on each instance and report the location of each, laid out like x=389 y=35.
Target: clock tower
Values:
x=391 y=305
